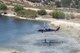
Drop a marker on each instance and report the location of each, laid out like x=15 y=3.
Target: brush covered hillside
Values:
x=72 y=6
x=57 y=3
x=47 y=4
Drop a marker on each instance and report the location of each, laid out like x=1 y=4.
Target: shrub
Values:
x=3 y=6
x=27 y=13
x=14 y=52
x=18 y=8
x=58 y=15
x=42 y=12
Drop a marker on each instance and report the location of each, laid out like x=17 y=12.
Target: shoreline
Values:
x=7 y=50
x=51 y=20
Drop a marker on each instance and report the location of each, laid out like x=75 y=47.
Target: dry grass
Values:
x=77 y=16
x=47 y=16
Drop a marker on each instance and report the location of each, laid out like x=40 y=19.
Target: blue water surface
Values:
x=11 y=28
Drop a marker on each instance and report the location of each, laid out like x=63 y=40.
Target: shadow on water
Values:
x=48 y=42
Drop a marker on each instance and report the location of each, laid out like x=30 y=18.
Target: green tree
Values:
x=76 y=3
x=42 y=12
x=3 y=6
x=66 y=3
x=18 y=8
x=58 y=4
x=79 y=5
x=58 y=15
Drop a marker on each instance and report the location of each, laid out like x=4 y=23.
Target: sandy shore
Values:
x=4 y=50
x=60 y=22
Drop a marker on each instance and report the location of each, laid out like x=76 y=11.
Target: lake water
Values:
x=22 y=35
x=11 y=28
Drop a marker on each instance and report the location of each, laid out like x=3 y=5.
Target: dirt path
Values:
x=48 y=11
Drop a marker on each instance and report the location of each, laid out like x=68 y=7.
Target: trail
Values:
x=48 y=11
